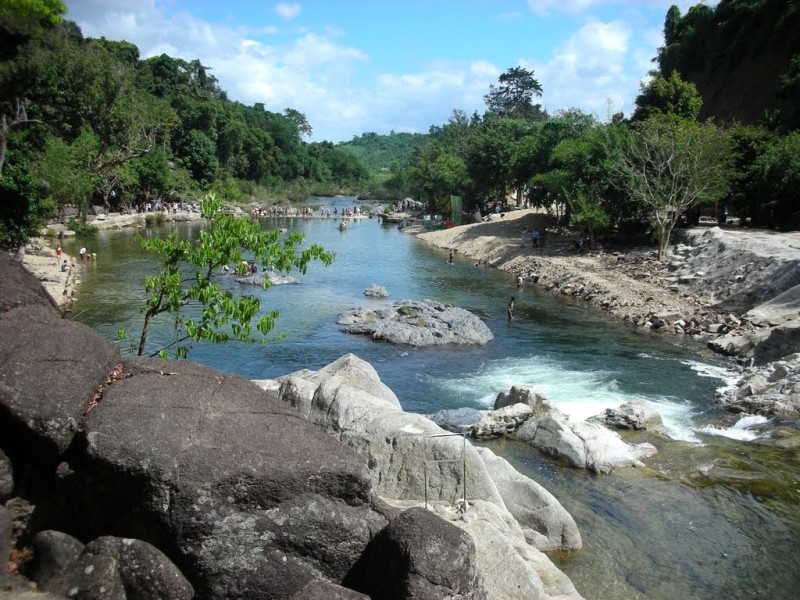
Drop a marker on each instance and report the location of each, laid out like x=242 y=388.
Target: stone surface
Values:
x=118 y=568
x=319 y=589
x=770 y=390
x=376 y=291
x=580 y=444
x=396 y=446
x=37 y=417
x=544 y=522
x=6 y=528
x=6 y=476
x=53 y=551
x=419 y=555
x=417 y=323
x=245 y=496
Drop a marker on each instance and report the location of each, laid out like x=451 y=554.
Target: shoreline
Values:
x=41 y=261
x=629 y=285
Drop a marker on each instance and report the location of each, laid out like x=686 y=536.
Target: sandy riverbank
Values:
x=705 y=289
x=40 y=259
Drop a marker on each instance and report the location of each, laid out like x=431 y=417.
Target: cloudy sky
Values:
x=355 y=66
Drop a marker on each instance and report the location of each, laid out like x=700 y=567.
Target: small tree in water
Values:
x=186 y=282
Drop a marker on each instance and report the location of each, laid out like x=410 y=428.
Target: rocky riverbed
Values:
x=736 y=290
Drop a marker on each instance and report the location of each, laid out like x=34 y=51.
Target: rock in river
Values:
x=417 y=323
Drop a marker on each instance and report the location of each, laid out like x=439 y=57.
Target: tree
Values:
x=187 y=282
x=669 y=166
x=667 y=96
x=514 y=96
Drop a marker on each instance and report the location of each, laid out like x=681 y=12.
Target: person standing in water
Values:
x=510 y=308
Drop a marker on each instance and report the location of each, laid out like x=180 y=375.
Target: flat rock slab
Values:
x=417 y=323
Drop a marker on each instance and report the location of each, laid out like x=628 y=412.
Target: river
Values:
x=663 y=532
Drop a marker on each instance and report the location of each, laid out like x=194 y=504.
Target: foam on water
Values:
x=740 y=431
x=728 y=376
x=579 y=394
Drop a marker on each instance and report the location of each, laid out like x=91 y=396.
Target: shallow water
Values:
x=661 y=532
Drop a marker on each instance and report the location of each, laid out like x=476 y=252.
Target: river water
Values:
x=662 y=532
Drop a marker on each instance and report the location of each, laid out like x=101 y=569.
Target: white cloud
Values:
x=590 y=68
x=287 y=11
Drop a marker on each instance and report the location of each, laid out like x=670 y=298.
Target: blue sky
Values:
x=355 y=66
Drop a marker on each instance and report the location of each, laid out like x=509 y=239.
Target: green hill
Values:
x=383 y=153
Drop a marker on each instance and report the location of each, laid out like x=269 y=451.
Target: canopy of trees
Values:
x=87 y=121
x=743 y=57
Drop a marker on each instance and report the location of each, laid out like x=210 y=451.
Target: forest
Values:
x=88 y=122
x=677 y=156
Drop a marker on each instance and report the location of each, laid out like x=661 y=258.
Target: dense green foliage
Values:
x=743 y=56
x=383 y=153
x=187 y=287
x=98 y=125
x=90 y=122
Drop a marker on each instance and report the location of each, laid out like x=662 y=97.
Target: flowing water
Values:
x=665 y=531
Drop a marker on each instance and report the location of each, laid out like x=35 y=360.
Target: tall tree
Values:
x=514 y=95
x=669 y=166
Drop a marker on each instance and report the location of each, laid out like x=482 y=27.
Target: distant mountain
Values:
x=383 y=152
x=743 y=56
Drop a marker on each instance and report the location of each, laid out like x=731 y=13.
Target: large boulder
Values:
x=414 y=461
x=37 y=418
x=246 y=497
x=116 y=568
x=417 y=323
x=544 y=521
x=419 y=555
x=579 y=443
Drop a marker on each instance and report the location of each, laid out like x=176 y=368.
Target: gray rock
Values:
x=545 y=523
x=500 y=422
x=53 y=551
x=238 y=489
x=631 y=415
x=41 y=418
x=483 y=424
x=417 y=323
x=396 y=446
x=376 y=291
x=319 y=589
x=769 y=390
x=519 y=394
x=419 y=555
x=111 y=567
x=6 y=476
x=6 y=529
x=457 y=420
x=580 y=444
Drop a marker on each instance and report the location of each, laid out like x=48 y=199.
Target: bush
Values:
x=82 y=229
x=155 y=218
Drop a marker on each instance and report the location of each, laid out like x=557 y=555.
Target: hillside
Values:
x=739 y=55
x=383 y=152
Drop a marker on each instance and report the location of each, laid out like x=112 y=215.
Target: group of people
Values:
x=63 y=263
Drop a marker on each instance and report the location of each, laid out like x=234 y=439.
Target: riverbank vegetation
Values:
x=593 y=173
x=88 y=122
